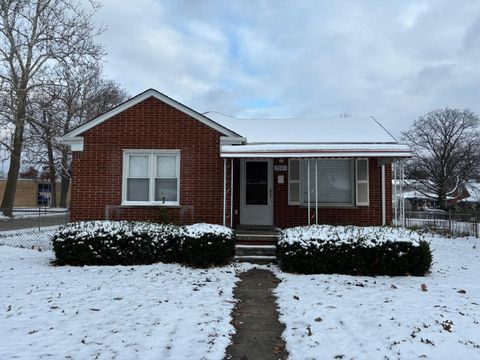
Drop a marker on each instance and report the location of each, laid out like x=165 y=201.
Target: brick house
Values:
x=153 y=152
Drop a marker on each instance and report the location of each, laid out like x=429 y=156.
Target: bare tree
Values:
x=34 y=35
x=76 y=95
x=446 y=151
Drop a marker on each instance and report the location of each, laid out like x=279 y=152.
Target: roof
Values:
x=312 y=150
x=306 y=130
x=139 y=98
x=299 y=137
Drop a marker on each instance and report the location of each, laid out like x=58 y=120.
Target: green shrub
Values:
x=206 y=245
x=116 y=243
x=324 y=249
x=135 y=243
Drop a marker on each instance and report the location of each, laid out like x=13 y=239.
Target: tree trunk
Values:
x=52 y=173
x=14 y=169
x=64 y=186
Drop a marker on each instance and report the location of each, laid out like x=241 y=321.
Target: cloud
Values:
x=396 y=60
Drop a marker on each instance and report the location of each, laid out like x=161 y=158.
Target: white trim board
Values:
x=141 y=97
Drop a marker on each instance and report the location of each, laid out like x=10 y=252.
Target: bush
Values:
x=206 y=244
x=135 y=243
x=116 y=243
x=323 y=249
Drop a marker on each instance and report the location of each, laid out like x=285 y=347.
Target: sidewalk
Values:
x=258 y=331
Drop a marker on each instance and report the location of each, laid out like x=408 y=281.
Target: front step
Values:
x=253 y=250
x=257 y=259
x=256 y=245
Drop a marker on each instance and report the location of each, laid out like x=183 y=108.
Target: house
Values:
x=419 y=197
x=153 y=152
x=32 y=193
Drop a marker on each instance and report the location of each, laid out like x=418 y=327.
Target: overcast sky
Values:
x=395 y=60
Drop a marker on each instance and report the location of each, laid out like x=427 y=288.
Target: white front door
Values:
x=256 y=198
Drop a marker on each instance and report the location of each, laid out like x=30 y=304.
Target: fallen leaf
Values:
x=461 y=291
x=424 y=289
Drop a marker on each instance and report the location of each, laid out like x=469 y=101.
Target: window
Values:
x=333 y=182
x=44 y=194
x=151 y=177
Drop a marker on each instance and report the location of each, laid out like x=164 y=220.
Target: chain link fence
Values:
x=31 y=228
x=452 y=223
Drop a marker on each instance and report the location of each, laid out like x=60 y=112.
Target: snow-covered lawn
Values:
x=160 y=311
x=347 y=317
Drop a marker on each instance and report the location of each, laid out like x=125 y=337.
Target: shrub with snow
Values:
x=353 y=250
x=130 y=243
x=207 y=244
x=116 y=243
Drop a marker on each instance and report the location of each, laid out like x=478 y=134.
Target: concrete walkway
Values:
x=258 y=331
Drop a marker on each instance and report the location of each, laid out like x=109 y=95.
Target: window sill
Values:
x=331 y=206
x=150 y=205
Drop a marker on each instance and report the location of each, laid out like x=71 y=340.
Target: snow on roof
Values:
x=308 y=150
x=305 y=130
x=473 y=189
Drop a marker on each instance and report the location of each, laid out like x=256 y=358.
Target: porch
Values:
x=284 y=189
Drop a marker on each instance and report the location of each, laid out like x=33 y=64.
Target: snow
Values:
x=308 y=150
x=110 y=229
x=162 y=311
x=305 y=130
x=473 y=189
x=306 y=236
x=198 y=230
x=387 y=317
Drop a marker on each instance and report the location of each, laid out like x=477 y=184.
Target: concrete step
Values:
x=265 y=238
x=257 y=259
x=252 y=250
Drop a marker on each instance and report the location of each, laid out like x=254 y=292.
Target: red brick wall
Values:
x=151 y=124
x=293 y=215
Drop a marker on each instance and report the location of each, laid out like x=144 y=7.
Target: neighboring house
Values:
x=153 y=152
x=32 y=193
x=418 y=198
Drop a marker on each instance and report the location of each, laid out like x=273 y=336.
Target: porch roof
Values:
x=278 y=150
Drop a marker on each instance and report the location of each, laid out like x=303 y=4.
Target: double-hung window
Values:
x=151 y=177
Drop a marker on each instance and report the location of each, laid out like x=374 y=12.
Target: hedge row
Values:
x=135 y=243
x=323 y=249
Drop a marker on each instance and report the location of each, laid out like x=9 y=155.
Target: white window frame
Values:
x=351 y=203
x=298 y=182
x=151 y=175
x=366 y=181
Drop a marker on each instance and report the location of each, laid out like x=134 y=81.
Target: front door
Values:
x=256 y=192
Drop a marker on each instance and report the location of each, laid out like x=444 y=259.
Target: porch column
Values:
x=231 y=193
x=384 y=221
x=224 y=191
x=308 y=190
x=316 y=192
x=395 y=198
